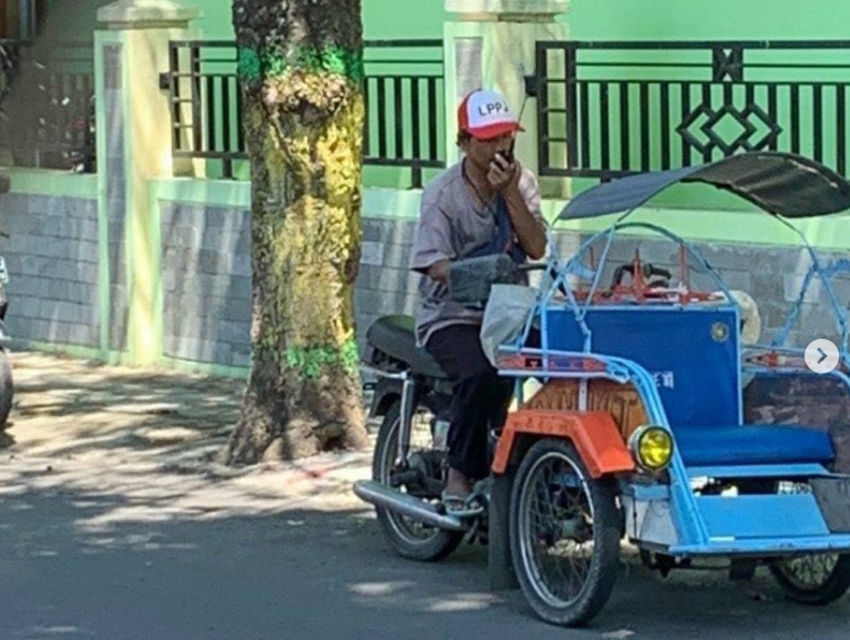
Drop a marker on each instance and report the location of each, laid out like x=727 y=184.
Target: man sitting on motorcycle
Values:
x=484 y=205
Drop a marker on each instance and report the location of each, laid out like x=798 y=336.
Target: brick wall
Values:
x=52 y=258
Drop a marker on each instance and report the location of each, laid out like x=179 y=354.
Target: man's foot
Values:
x=457 y=494
x=461 y=506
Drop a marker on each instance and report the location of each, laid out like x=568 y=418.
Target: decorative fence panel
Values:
x=608 y=109
x=403 y=91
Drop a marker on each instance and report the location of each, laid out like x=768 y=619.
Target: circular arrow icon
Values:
x=822 y=355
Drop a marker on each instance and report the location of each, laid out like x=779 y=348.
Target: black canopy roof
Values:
x=780 y=183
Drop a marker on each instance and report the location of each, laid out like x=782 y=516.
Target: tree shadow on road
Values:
x=188 y=556
x=69 y=408
x=116 y=524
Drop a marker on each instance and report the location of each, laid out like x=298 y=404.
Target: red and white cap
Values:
x=485 y=115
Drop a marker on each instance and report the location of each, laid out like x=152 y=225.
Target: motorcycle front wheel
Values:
x=410 y=539
x=7 y=389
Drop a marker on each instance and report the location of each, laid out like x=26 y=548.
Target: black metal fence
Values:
x=47 y=107
x=404 y=104
x=607 y=109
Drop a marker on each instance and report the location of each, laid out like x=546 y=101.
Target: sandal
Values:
x=460 y=504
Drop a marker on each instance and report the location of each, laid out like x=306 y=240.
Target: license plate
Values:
x=833 y=497
x=4 y=275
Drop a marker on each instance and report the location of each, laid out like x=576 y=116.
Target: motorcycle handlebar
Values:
x=531 y=267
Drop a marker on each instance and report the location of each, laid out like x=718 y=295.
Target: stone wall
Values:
x=772 y=275
x=207 y=283
x=206 y=280
x=206 y=276
x=52 y=257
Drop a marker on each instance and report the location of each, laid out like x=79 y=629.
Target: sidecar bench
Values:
x=395 y=336
x=692 y=353
x=707 y=446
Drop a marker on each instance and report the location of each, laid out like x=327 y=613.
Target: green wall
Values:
x=217 y=22
x=381 y=18
x=589 y=19
x=607 y=19
x=709 y=19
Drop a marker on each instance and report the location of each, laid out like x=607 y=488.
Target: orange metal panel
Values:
x=622 y=401
x=594 y=434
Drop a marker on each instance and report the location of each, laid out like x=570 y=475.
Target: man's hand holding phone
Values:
x=504 y=170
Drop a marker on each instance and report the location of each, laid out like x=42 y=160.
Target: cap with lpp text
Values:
x=486 y=115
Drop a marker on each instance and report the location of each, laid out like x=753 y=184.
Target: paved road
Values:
x=112 y=528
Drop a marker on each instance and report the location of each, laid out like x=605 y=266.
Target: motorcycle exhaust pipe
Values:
x=386 y=497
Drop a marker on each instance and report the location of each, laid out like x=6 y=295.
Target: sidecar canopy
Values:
x=780 y=183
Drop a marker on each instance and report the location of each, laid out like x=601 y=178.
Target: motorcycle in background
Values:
x=6 y=385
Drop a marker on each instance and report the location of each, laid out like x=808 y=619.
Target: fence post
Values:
x=491 y=44
x=134 y=146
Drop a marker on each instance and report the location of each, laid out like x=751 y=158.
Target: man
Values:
x=485 y=204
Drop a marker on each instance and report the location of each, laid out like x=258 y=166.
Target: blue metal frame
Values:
x=826 y=275
x=692 y=516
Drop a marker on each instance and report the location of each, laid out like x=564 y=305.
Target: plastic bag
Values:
x=505 y=315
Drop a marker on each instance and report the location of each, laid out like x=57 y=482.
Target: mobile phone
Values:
x=508 y=154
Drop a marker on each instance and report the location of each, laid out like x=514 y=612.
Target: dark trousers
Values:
x=480 y=397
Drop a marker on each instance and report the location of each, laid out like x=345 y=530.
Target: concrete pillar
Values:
x=491 y=44
x=134 y=146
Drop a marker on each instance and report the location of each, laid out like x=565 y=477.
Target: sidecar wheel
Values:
x=7 y=389
x=816 y=579
x=564 y=534
x=410 y=539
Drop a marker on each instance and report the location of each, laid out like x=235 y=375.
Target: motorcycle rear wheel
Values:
x=410 y=539
x=7 y=389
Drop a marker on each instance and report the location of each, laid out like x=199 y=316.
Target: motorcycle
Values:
x=655 y=417
x=6 y=384
x=412 y=395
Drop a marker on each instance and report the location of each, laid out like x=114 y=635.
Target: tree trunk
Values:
x=301 y=72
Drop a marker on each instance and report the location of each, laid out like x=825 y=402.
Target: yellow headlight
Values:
x=652 y=447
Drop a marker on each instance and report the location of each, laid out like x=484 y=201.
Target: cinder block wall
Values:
x=52 y=257
x=206 y=281
x=206 y=277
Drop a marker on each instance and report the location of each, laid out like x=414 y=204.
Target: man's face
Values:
x=483 y=152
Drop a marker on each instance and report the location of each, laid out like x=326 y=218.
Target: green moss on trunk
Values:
x=303 y=105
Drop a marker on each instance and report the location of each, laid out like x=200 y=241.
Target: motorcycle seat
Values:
x=395 y=336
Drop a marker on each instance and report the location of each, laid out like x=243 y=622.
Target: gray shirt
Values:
x=451 y=226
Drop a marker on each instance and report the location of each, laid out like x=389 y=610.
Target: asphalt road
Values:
x=322 y=575
x=112 y=529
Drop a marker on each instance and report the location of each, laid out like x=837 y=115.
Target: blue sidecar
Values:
x=639 y=425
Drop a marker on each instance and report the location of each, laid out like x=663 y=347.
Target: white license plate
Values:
x=4 y=275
